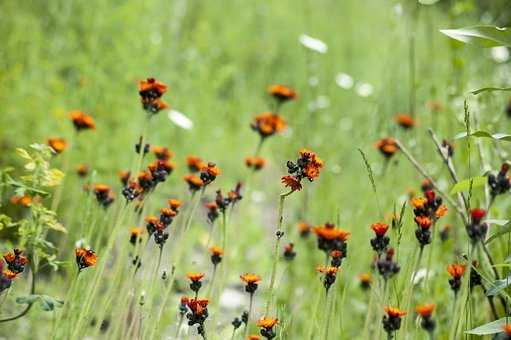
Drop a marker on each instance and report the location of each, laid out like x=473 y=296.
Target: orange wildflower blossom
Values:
x=252 y=281
x=82 y=170
x=456 y=271
x=387 y=146
x=380 y=242
x=255 y=163
x=82 y=121
x=6 y=277
x=58 y=145
x=304 y=229
x=426 y=312
x=429 y=206
x=24 y=200
x=404 y=120
x=198 y=314
x=195 y=279
x=266 y=325
x=104 y=194
x=209 y=173
x=308 y=165
x=213 y=213
x=162 y=152
x=332 y=238
x=506 y=329
x=150 y=91
x=423 y=232
x=216 y=254
x=174 y=204
x=16 y=262
x=135 y=235
x=124 y=176
x=253 y=337
x=365 y=281
x=195 y=164
x=194 y=182
x=281 y=92
x=289 y=251
x=392 y=321
x=268 y=123
x=330 y=275
x=85 y=258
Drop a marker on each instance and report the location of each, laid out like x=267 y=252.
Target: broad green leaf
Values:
x=484 y=134
x=484 y=35
x=503 y=230
x=490 y=89
x=489 y=328
x=465 y=185
x=498 y=285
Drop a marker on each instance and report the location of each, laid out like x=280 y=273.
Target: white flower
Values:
x=313 y=44
x=500 y=54
x=180 y=119
x=364 y=89
x=344 y=80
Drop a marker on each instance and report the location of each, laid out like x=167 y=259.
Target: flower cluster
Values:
x=16 y=262
x=208 y=173
x=380 y=242
x=404 y=120
x=456 y=271
x=6 y=277
x=332 y=238
x=157 y=226
x=477 y=229
x=266 y=325
x=308 y=165
x=330 y=274
x=392 y=320
x=387 y=146
x=151 y=91
x=500 y=183
x=282 y=93
x=251 y=282
x=427 y=211
x=198 y=308
x=85 y=258
x=268 y=124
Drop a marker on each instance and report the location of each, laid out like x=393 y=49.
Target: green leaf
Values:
x=47 y=303
x=490 y=89
x=468 y=183
x=489 y=328
x=503 y=230
x=484 y=35
x=485 y=134
x=498 y=285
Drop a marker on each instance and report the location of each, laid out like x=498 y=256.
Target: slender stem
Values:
x=180 y=323
x=29 y=306
x=245 y=331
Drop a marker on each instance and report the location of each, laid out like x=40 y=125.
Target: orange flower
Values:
x=174 y=204
x=85 y=258
x=379 y=228
x=24 y=200
x=124 y=176
x=268 y=124
x=253 y=337
x=329 y=232
x=9 y=274
x=197 y=306
x=195 y=163
x=250 y=278
x=255 y=162
x=82 y=121
x=212 y=170
x=161 y=152
x=82 y=170
x=441 y=211
x=57 y=144
x=267 y=323
x=151 y=88
x=419 y=202
x=101 y=188
x=394 y=312
x=327 y=270
x=291 y=182
x=216 y=251
x=135 y=234
x=365 y=278
x=194 y=182
x=304 y=228
x=506 y=328
x=168 y=212
x=154 y=105
x=423 y=222
x=313 y=164
x=387 y=146
x=16 y=262
x=195 y=277
x=456 y=270
x=404 y=120
x=281 y=92
x=425 y=310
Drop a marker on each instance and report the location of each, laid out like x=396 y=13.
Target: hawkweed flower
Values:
x=380 y=242
x=104 y=194
x=365 y=281
x=506 y=328
x=330 y=274
x=281 y=93
x=477 y=229
x=216 y=254
x=500 y=183
x=195 y=281
x=234 y=195
x=195 y=164
x=337 y=257
x=198 y=314
x=332 y=238
x=213 y=213
x=183 y=305
x=161 y=152
x=387 y=147
x=135 y=235
x=132 y=190
x=174 y=204
x=82 y=121
x=253 y=337
x=308 y=165
x=209 y=173
x=85 y=258
x=304 y=229
x=167 y=216
x=82 y=170
x=426 y=185
x=160 y=169
x=392 y=320
x=16 y=262
x=456 y=271
x=58 y=145
x=24 y=200
x=429 y=206
x=6 y=277
x=194 y=182
x=289 y=252
x=386 y=265
x=268 y=124
x=152 y=224
x=266 y=325
x=124 y=176
x=150 y=91
x=255 y=163
x=145 y=180
x=404 y=120
x=251 y=281
x=423 y=231
x=426 y=312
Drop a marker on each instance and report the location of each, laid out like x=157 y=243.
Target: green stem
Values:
x=245 y=331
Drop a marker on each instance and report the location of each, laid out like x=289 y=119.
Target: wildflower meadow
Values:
x=193 y=169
